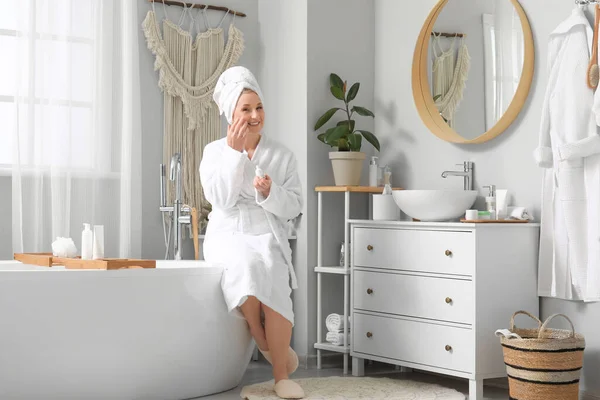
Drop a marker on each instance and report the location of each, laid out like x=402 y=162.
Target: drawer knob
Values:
x=369 y=291
x=448 y=253
x=369 y=334
x=448 y=347
x=448 y=300
x=369 y=247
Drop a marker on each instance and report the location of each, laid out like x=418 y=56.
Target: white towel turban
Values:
x=229 y=87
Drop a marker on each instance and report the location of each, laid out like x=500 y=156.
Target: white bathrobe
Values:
x=569 y=148
x=246 y=233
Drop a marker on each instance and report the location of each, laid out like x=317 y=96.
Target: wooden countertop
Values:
x=353 y=189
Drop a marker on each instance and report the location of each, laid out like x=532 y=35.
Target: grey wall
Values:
x=5 y=218
x=419 y=157
x=153 y=245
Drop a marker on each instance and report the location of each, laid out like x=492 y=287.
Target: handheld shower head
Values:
x=163 y=187
x=175 y=165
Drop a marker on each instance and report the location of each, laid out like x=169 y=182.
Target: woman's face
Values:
x=250 y=108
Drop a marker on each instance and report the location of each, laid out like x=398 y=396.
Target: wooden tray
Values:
x=105 y=263
x=494 y=221
x=40 y=259
x=48 y=260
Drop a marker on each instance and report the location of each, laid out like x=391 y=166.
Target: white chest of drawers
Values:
x=430 y=296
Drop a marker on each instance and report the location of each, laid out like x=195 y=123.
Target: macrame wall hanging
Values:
x=188 y=72
x=449 y=76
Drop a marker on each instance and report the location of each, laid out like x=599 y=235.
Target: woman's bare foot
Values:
x=288 y=389
x=292 y=360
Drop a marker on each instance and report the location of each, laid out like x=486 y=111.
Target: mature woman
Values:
x=254 y=189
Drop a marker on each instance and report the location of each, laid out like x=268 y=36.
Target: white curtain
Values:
x=504 y=55
x=74 y=122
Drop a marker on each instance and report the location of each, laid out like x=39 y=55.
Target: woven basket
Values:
x=546 y=363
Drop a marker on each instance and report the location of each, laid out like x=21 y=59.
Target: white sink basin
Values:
x=434 y=205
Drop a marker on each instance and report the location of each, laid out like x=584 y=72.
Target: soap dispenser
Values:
x=373 y=171
x=490 y=201
x=87 y=238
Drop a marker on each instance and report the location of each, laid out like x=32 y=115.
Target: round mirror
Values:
x=472 y=69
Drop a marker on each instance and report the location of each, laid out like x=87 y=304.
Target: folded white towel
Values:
x=229 y=87
x=336 y=338
x=335 y=322
x=518 y=213
x=507 y=334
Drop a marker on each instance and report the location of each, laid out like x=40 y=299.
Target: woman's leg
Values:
x=251 y=310
x=279 y=334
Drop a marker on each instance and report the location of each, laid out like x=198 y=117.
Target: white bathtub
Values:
x=148 y=334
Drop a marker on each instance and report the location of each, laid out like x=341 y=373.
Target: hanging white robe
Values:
x=569 y=148
x=246 y=233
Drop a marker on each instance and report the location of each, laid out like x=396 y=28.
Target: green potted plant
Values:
x=346 y=159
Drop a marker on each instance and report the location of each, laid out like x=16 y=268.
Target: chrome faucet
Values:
x=178 y=211
x=466 y=173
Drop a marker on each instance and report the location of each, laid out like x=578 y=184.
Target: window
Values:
x=47 y=86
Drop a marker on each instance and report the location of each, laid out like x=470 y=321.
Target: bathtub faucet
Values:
x=180 y=214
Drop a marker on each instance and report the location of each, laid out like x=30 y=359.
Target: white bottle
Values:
x=87 y=239
x=98 y=249
x=373 y=171
x=259 y=172
x=490 y=201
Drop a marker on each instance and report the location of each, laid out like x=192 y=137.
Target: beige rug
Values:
x=350 y=388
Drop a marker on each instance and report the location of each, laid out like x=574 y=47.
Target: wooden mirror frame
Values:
x=422 y=93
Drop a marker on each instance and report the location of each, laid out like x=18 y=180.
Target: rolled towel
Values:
x=518 y=213
x=335 y=322
x=507 y=334
x=336 y=338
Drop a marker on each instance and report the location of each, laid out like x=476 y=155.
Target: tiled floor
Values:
x=260 y=372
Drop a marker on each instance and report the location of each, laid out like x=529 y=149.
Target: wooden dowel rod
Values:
x=196 y=5
x=444 y=34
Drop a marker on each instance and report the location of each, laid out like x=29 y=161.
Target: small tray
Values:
x=494 y=221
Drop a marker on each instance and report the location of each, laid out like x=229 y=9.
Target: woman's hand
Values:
x=236 y=134
x=263 y=185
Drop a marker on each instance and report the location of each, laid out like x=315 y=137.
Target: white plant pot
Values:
x=347 y=167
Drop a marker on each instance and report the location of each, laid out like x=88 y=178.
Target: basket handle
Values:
x=543 y=328
x=512 y=319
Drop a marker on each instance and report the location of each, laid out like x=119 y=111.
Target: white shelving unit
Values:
x=344 y=271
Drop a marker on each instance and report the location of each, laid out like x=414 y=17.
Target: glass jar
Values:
x=342 y=263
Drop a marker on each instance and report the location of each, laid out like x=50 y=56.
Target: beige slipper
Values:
x=292 y=361
x=288 y=389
